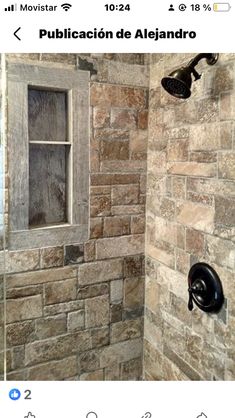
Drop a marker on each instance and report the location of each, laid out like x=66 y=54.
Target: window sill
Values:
x=49 y=237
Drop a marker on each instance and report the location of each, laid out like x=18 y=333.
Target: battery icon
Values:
x=221 y=7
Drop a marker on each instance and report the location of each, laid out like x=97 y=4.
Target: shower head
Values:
x=179 y=82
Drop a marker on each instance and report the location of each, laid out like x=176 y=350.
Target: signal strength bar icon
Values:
x=11 y=8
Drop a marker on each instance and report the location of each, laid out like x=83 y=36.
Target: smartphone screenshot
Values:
x=117 y=209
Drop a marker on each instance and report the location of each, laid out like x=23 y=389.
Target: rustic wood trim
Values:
x=48 y=237
x=81 y=148
x=18 y=155
x=76 y=83
x=51 y=78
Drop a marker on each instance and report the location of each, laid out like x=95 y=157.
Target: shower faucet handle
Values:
x=197 y=289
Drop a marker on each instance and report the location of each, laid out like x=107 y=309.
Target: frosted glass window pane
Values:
x=47 y=184
x=47 y=115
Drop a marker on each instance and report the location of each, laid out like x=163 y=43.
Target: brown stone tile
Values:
x=223 y=80
x=20 y=292
x=192 y=169
x=116 y=225
x=97 y=311
x=177 y=150
x=114 y=150
x=108 y=179
x=50 y=326
x=207 y=110
x=40 y=277
x=63 y=307
x=19 y=333
x=203 y=156
x=127 y=210
x=178 y=187
x=226 y=135
x=23 y=308
x=89 y=251
x=96 y=228
x=185 y=367
x=100 y=271
x=224 y=211
x=132 y=369
x=180 y=236
x=182 y=261
x=52 y=257
x=93 y=376
x=100 y=337
x=133 y=293
x=63 y=291
x=101 y=117
x=138 y=144
x=54 y=370
x=195 y=242
x=120 y=246
x=100 y=190
x=138 y=224
x=220 y=251
x=167 y=209
x=76 y=320
x=152 y=294
x=100 y=206
x=133 y=266
x=143 y=119
x=89 y=360
x=227 y=165
x=121 y=166
x=123 y=118
x=211 y=186
x=117 y=96
x=125 y=194
x=111 y=135
x=126 y=330
x=200 y=198
x=57 y=348
x=19 y=261
x=120 y=352
x=116 y=291
x=92 y=291
x=116 y=312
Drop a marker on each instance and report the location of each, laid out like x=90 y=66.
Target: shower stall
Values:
x=117 y=217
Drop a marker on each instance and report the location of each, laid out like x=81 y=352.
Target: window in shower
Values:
x=49 y=157
x=48 y=148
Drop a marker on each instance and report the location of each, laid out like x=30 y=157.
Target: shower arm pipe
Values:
x=210 y=58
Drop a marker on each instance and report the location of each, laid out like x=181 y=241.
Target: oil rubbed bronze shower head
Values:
x=179 y=82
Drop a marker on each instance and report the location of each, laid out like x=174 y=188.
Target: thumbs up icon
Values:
x=202 y=415
x=30 y=415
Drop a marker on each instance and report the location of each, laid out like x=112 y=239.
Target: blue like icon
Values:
x=14 y=394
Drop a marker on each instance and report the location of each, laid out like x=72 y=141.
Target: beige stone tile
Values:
x=196 y=216
x=100 y=271
x=23 y=308
x=120 y=246
x=97 y=311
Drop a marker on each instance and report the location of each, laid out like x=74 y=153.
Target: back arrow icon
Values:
x=16 y=33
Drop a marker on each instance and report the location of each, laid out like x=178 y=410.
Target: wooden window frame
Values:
x=76 y=83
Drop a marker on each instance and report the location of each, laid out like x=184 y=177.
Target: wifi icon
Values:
x=66 y=6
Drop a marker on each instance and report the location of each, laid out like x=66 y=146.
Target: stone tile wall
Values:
x=76 y=311
x=190 y=218
x=1 y=240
